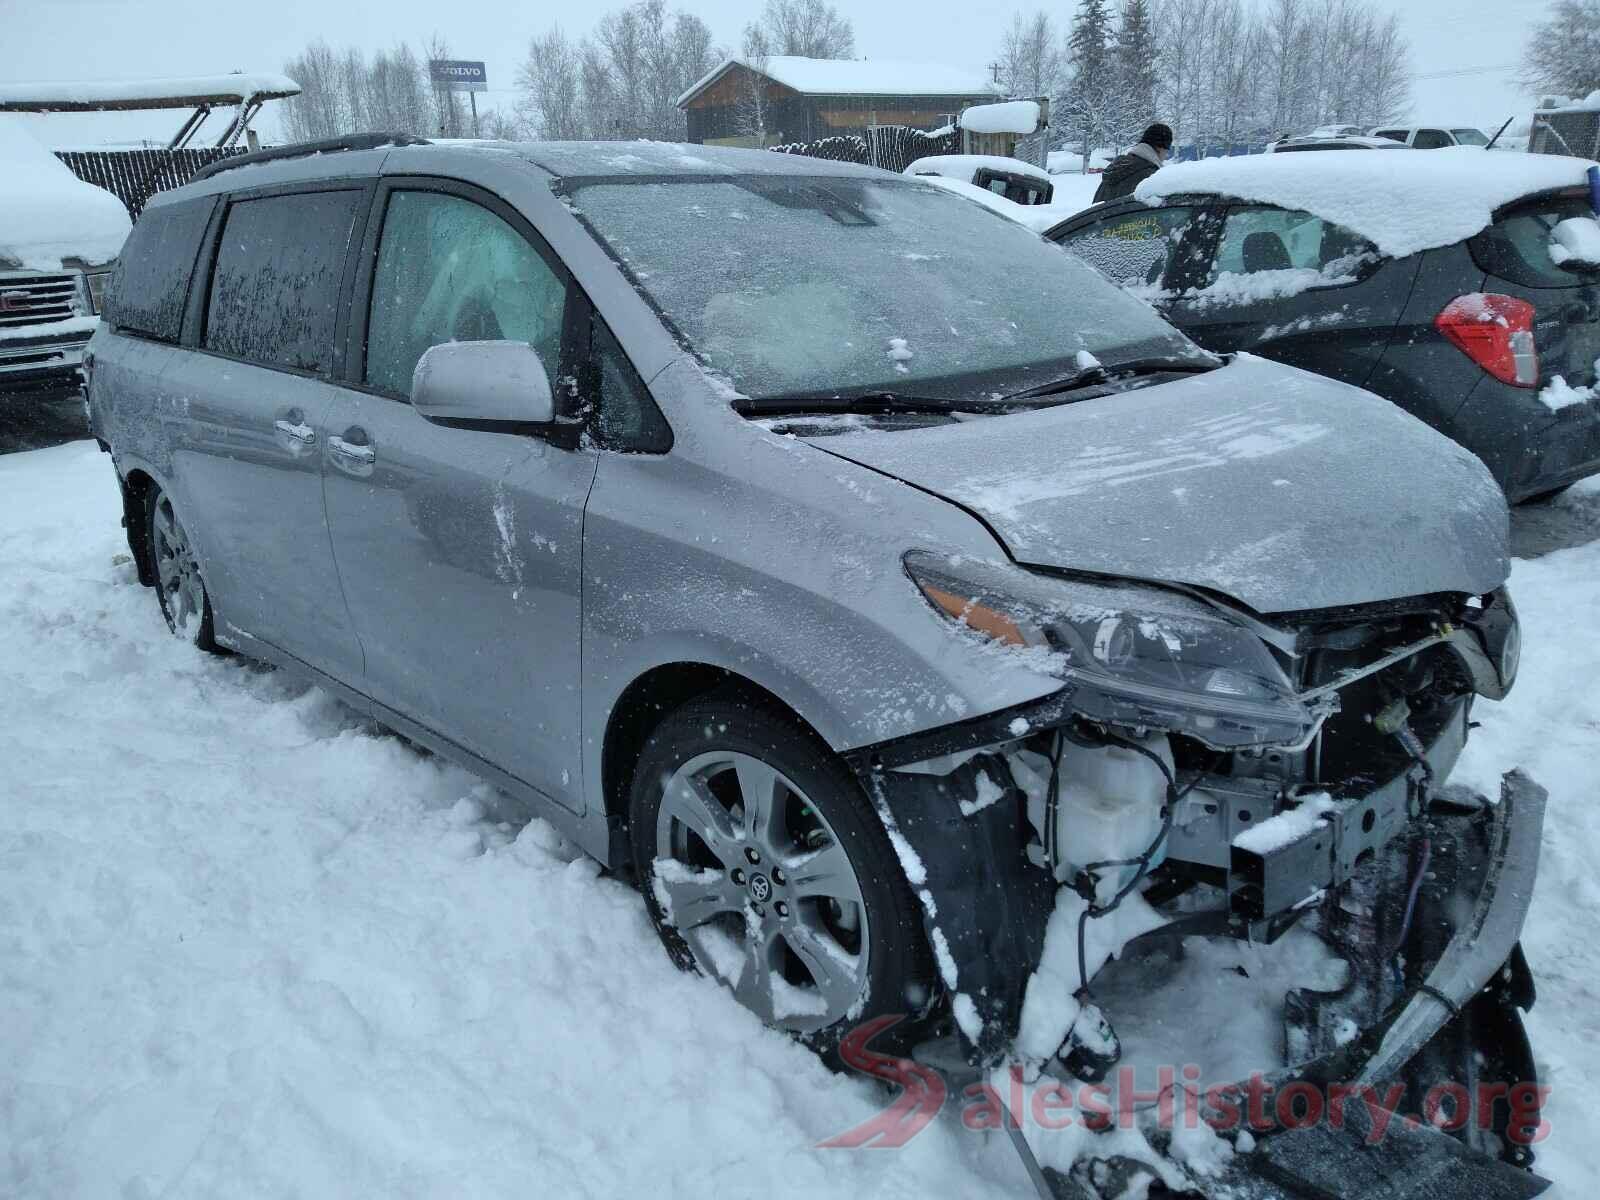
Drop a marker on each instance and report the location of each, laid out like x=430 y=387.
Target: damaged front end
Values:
x=1225 y=847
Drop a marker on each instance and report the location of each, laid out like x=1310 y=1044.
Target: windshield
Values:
x=828 y=286
x=1470 y=137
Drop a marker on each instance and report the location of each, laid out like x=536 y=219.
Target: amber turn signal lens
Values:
x=981 y=617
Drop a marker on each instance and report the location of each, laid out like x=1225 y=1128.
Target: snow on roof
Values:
x=1402 y=203
x=1590 y=103
x=183 y=91
x=1010 y=116
x=856 y=77
x=1350 y=141
x=603 y=159
x=1037 y=217
x=963 y=166
x=48 y=214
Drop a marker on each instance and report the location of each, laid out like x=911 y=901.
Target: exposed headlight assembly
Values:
x=1136 y=656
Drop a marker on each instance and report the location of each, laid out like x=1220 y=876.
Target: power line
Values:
x=1457 y=71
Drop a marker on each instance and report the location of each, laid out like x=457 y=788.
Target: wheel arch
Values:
x=136 y=486
x=642 y=706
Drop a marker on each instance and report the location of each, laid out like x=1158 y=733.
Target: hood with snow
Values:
x=1281 y=489
x=49 y=218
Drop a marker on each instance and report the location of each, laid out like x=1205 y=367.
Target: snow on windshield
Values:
x=827 y=285
x=1402 y=203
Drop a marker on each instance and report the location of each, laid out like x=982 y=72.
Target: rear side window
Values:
x=1398 y=135
x=1516 y=248
x=1268 y=252
x=275 y=288
x=152 y=280
x=1432 y=139
x=1134 y=249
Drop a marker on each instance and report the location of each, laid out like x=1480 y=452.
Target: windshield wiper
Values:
x=1105 y=372
x=870 y=403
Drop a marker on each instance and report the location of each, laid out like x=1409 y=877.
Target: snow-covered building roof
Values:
x=181 y=91
x=854 y=77
x=1402 y=203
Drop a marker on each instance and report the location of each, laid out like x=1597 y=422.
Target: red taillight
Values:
x=1496 y=332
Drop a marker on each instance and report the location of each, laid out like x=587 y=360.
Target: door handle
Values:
x=298 y=430
x=351 y=451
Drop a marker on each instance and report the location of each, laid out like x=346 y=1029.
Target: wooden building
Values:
x=784 y=98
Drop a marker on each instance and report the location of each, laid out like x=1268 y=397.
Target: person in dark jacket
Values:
x=1128 y=170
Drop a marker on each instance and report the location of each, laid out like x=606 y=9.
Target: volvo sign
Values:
x=458 y=75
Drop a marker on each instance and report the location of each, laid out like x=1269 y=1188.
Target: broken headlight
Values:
x=1137 y=656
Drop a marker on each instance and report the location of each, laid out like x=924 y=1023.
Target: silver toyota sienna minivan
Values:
x=926 y=627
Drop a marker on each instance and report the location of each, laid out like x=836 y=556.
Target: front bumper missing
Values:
x=991 y=907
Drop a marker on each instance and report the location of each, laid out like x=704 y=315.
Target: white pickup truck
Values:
x=59 y=238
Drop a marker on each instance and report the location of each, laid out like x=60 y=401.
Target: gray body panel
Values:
x=1322 y=494
x=507 y=592
x=460 y=552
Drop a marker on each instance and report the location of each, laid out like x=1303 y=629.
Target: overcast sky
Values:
x=131 y=39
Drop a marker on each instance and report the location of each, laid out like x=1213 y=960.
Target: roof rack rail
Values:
x=354 y=141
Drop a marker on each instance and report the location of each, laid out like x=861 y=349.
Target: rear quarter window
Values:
x=153 y=273
x=275 y=287
x=1516 y=247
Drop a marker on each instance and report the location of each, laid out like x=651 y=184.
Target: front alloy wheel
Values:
x=755 y=881
x=765 y=868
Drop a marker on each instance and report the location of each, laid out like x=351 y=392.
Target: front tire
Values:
x=764 y=867
x=185 y=603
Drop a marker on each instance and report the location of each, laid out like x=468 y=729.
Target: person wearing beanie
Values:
x=1128 y=170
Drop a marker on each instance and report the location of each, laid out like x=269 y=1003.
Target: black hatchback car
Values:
x=1440 y=282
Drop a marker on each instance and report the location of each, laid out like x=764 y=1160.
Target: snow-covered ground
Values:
x=252 y=946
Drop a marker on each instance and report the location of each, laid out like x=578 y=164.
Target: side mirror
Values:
x=483 y=385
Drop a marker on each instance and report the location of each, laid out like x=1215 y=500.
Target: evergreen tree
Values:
x=1136 y=69
x=1091 y=95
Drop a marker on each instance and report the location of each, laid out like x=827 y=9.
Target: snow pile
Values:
x=48 y=214
x=1402 y=203
x=1548 y=727
x=964 y=166
x=1010 y=116
x=1559 y=394
x=254 y=946
x=1575 y=239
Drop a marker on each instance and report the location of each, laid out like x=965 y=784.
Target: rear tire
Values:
x=180 y=590
x=795 y=900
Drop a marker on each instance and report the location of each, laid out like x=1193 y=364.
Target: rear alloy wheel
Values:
x=179 y=587
x=765 y=868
